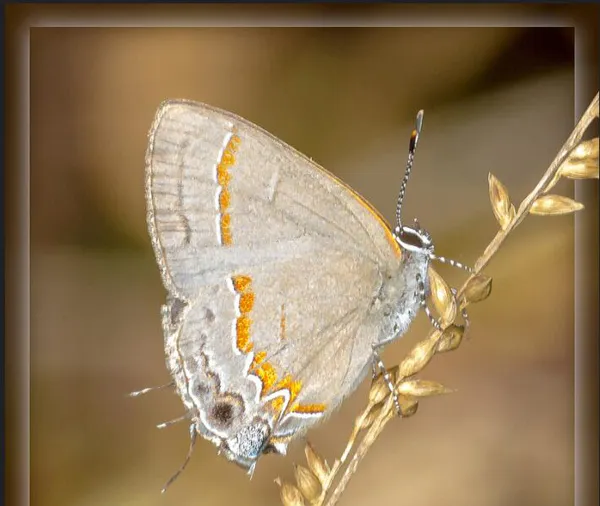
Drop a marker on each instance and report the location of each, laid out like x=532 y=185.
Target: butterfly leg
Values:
x=379 y=366
x=435 y=322
x=463 y=312
x=423 y=301
x=151 y=389
x=187 y=458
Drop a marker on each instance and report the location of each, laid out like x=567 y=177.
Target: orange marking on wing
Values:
x=241 y=283
x=228 y=159
x=268 y=376
x=235 y=142
x=309 y=408
x=242 y=329
x=224 y=200
x=259 y=367
x=226 y=229
x=224 y=178
x=259 y=358
x=292 y=386
x=277 y=404
x=386 y=228
x=246 y=302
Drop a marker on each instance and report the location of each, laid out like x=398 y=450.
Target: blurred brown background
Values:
x=496 y=100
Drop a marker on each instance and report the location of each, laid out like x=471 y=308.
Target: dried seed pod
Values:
x=550 y=205
x=582 y=162
x=451 y=338
x=307 y=482
x=478 y=288
x=290 y=495
x=422 y=388
x=419 y=356
x=442 y=297
x=501 y=205
x=317 y=464
x=379 y=388
x=408 y=405
x=584 y=151
x=580 y=170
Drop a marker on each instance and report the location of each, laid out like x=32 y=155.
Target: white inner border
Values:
x=275 y=16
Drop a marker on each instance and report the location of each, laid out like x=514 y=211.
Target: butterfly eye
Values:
x=414 y=239
x=411 y=239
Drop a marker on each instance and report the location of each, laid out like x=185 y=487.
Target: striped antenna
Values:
x=414 y=139
x=451 y=262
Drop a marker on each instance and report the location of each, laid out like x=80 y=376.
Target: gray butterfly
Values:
x=282 y=281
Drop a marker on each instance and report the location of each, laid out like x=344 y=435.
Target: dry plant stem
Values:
x=388 y=412
x=340 y=462
x=571 y=142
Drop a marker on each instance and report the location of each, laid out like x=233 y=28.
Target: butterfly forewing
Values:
x=222 y=192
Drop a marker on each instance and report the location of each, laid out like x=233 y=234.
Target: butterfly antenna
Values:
x=414 y=139
x=451 y=262
x=187 y=458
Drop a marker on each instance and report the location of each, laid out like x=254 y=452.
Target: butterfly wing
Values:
x=272 y=266
x=224 y=194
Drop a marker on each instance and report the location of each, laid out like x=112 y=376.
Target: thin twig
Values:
x=370 y=437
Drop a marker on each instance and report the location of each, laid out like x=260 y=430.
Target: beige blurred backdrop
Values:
x=496 y=100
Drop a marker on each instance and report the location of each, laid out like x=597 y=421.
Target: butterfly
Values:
x=282 y=282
